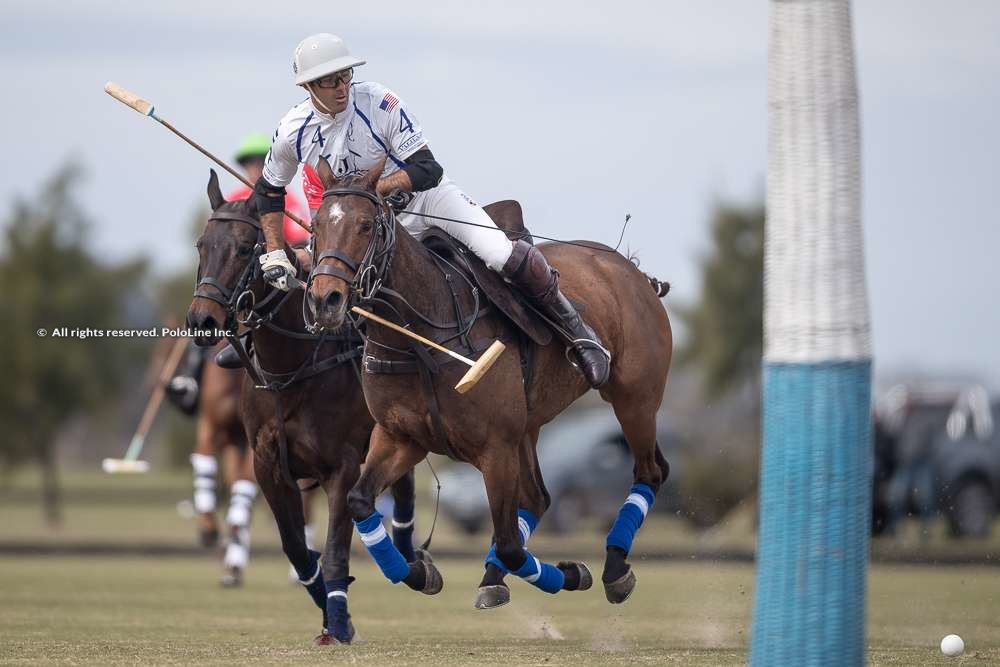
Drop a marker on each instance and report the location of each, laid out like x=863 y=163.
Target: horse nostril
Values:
x=333 y=300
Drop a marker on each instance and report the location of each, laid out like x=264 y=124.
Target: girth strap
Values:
x=426 y=368
x=283 y=465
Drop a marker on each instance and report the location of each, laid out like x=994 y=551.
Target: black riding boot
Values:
x=183 y=388
x=529 y=271
x=228 y=358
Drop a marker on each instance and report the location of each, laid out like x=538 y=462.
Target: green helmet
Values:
x=253 y=145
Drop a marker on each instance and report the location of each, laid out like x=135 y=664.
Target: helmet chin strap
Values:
x=316 y=101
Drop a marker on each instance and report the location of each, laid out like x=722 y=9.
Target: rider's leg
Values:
x=521 y=263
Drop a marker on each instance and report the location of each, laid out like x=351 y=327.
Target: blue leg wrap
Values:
x=630 y=517
x=526 y=524
x=385 y=553
x=547 y=577
x=312 y=579
x=402 y=530
x=336 y=608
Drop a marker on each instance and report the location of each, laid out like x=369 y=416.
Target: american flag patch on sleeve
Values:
x=388 y=103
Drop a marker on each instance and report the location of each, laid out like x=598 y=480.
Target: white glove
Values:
x=277 y=269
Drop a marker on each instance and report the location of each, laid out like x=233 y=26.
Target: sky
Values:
x=582 y=111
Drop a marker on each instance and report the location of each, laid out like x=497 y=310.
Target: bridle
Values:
x=368 y=275
x=240 y=298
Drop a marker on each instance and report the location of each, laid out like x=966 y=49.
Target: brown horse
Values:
x=369 y=258
x=312 y=423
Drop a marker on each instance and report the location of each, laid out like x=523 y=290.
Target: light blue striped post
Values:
x=815 y=491
x=815 y=509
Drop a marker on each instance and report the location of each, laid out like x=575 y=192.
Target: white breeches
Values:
x=447 y=200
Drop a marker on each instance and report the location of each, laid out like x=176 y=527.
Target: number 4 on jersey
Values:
x=405 y=125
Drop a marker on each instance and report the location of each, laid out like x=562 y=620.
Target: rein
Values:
x=241 y=306
x=367 y=283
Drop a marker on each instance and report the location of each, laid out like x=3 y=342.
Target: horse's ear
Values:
x=325 y=173
x=215 y=197
x=370 y=180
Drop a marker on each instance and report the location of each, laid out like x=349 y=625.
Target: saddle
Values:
x=508 y=217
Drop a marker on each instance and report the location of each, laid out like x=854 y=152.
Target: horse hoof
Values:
x=620 y=589
x=328 y=639
x=433 y=582
x=423 y=555
x=584 y=578
x=233 y=578
x=491 y=597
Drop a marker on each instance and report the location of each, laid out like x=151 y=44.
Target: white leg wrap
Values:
x=204 y=501
x=204 y=465
x=238 y=550
x=205 y=469
x=241 y=500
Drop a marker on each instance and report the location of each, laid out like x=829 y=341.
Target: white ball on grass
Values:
x=952 y=645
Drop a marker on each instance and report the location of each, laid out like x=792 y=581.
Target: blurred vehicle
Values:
x=587 y=468
x=937 y=451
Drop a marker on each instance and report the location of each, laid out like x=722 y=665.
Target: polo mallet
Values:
x=146 y=109
x=131 y=462
x=472 y=376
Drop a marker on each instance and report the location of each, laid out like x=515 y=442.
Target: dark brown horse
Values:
x=366 y=256
x=314 y=403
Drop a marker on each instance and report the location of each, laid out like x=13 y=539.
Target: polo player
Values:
x=354 y=125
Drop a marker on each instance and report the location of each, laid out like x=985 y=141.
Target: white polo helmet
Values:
x=319 y=55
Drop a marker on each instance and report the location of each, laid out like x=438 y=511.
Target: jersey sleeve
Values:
x=281 y=162
x=397 y=125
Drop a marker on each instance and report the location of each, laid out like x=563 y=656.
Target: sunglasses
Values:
x=335 y=79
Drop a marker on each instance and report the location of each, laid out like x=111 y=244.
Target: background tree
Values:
x=51 y=279
x=723 y=347
x=725 y=328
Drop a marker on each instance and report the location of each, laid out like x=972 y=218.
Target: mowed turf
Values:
x=170 y=611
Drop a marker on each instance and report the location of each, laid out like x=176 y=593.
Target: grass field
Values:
x=98 y=611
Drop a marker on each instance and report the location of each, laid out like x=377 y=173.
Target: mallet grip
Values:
x=129 y=99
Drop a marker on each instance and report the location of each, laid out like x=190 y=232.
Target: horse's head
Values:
x=352 y=241
x=227 y=252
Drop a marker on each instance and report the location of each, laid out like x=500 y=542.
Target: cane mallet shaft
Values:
x=146 y=109
x=131 y=462
x=472 y=376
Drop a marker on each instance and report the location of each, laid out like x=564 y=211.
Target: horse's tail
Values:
x=661 y=287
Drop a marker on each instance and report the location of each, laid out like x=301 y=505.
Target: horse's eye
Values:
x=366 y=227
x=244 y=251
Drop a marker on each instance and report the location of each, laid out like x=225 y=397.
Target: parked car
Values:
x=587 y=468
x=937 y=451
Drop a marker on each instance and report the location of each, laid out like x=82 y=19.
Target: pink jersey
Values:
x=293 y=233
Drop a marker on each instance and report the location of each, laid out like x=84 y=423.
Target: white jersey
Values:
x=375 y=125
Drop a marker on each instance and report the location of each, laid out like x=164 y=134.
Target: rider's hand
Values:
x=277 y=269
x=399 y=199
